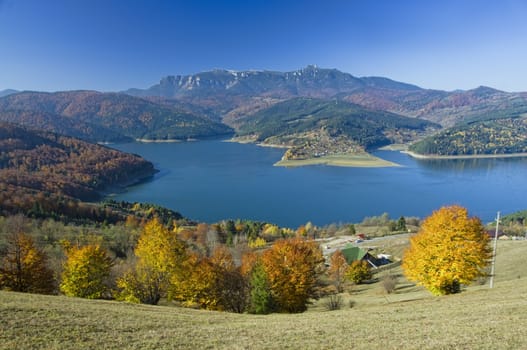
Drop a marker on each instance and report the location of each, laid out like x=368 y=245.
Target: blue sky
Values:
x=111 y=45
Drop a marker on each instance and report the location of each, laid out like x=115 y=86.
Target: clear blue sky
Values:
x=112 y=45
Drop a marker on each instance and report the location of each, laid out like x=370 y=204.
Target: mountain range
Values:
x=234 y=94
x=255 y=103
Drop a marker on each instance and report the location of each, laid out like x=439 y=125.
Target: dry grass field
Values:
x=478 y=318
x=364 y=160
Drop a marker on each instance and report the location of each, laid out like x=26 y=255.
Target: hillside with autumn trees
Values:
x=490 y=137
x=42 y=172
x=234 y=266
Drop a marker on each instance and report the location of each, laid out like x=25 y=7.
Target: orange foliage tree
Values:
x=337 y=269
x=292 y=267
x=213 y=283
x=450 y=249
x=24 y=267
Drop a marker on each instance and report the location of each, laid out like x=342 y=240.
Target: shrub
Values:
x=333 y=302
x=259 y=242
x=389 y=282
x=358 y=272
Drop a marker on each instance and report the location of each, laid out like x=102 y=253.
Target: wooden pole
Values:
x=492 y=268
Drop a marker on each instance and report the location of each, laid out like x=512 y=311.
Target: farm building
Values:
x=352 y=253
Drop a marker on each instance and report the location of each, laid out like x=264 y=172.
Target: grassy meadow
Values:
x=478 y=318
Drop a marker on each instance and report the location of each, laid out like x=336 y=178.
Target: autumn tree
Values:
x=292 y=267
x=193 y=285
x=213 y=283
x=230 y=285
x=159 y=255
x=337 y=269
x=249 y=261
x=358 y=271
x=450 y=249
x=24 y=266
x=86 y=272
x=256 y=243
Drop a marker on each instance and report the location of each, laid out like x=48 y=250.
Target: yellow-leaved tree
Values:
x=292 y=267
x=86 y=272
x=450 y=249
x=358 y=271
x=159 y=255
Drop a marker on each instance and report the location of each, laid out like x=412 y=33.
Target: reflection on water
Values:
x=468 y=164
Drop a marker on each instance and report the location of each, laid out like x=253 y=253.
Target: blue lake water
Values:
x=214 y=180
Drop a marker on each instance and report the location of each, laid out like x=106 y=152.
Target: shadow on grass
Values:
x=404 y=287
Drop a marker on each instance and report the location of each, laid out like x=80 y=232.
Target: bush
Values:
x=389 y=282
x=358 y=272
x=333 y=302
x=259 y=242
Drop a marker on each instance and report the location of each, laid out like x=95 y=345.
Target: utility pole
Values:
x=494 y=252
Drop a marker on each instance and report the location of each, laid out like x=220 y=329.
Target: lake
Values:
x=214 y=180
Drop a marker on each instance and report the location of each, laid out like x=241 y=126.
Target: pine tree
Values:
x=401 y=224
x=261 y=298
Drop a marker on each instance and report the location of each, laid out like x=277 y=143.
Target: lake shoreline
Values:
x=160 y=141
x=121 y=187
x=467 y=156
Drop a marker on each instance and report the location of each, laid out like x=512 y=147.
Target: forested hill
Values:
x=97 y=116
x=301 y=117
x=500 y=136
x=54 y=171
